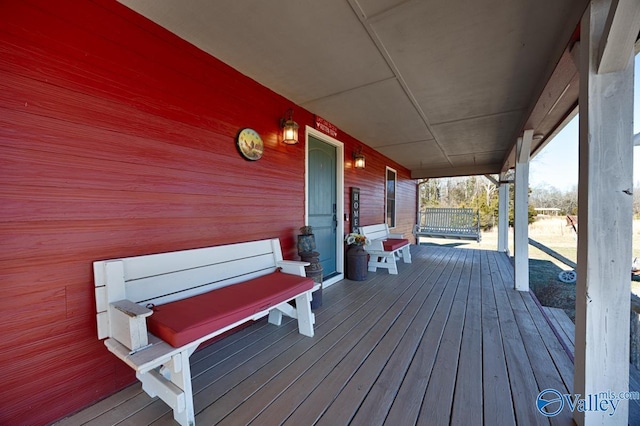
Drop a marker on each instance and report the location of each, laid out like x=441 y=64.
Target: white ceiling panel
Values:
x=380 y=113
x=417 y=155
x=442 y=87
x=301 y=49
x=478 y=135
x=481 y=58
x=477 y=158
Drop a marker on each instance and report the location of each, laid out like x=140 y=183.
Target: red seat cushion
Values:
x=392 y=244
x=186 y=320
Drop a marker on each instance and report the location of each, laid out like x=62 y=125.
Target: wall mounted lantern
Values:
x=289 y=128
x=358 y=159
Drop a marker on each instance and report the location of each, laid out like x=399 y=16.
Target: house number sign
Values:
x=355 y=209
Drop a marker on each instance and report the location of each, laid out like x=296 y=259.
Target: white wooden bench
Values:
x=131 y=292
x=456 y=223
x=384 y=247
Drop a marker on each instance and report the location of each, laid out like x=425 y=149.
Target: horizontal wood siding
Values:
x=118 y=139
x=371 y=181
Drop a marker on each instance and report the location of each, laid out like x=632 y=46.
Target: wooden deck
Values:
x=447 y=341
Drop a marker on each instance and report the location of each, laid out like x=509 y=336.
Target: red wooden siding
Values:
x=117 y=139
x=371 y=182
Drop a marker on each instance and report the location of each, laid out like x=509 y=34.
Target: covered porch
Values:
x=120 y=137
x=447 y=341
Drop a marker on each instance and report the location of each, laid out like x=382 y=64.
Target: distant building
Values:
x=547 y=211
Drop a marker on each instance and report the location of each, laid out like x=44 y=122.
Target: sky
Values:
x=557 y=164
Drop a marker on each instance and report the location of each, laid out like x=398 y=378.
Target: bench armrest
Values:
x=131 y=309
x=293 y=267
x=128 y=324
x=398 y=236
x=375 y=246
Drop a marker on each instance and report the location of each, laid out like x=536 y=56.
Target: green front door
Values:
x=322 y=202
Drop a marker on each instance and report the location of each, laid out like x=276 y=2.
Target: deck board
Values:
x=539 y=360
x=563 y=325
x=438 y=399
x=290 y=363
x=564 y=364
x=524 y=388
x=446 y=341
x=498 y=404
x=467 y=401
x=383 y=335
x=371 y=379
x=407 y=405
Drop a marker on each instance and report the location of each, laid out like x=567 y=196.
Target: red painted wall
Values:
x=118 y=139
x=372 y=181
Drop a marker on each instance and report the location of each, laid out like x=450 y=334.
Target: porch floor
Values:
x=447 y=341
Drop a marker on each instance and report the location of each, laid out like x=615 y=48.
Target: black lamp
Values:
x=358 y=159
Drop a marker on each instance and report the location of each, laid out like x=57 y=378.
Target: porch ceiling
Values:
x=443 y=88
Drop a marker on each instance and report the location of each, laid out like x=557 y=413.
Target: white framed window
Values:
x=390 y=197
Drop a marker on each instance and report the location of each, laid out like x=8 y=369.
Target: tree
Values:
x=549 y=196
x=531 y=216
x=473 y=192
x=429 y=192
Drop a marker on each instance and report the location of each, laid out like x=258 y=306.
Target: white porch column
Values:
x=521 y=212
x=604 y=213
x=503 y=215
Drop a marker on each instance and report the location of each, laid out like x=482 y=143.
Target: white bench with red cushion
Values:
x=155 y=310
x=384 y=247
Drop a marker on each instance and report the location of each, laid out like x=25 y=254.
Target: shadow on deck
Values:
x=447 y=341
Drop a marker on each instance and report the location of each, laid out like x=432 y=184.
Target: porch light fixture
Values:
x=289 y=128
x=358 y=159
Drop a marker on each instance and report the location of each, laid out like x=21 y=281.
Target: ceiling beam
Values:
x=620 y=35
x=492 y=179
x=523 y=150
x=456 y=171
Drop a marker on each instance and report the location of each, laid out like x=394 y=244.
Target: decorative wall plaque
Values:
x=250 y=144
x=355 y=209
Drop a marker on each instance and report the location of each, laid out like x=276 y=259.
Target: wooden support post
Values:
x=521 y=213
x=605 y=231
x=503 y=216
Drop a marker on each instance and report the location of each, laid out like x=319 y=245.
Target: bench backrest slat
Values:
x=162 y=263
x=451 y=220
x=183 y=283
x=375 y=232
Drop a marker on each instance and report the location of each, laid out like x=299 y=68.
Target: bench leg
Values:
x=392 y=265
x=275 y=314
x=275 y=317
x=388 y=262
x=406 y=254
x=304 y=314
x=374 y=261
x=172 y=383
